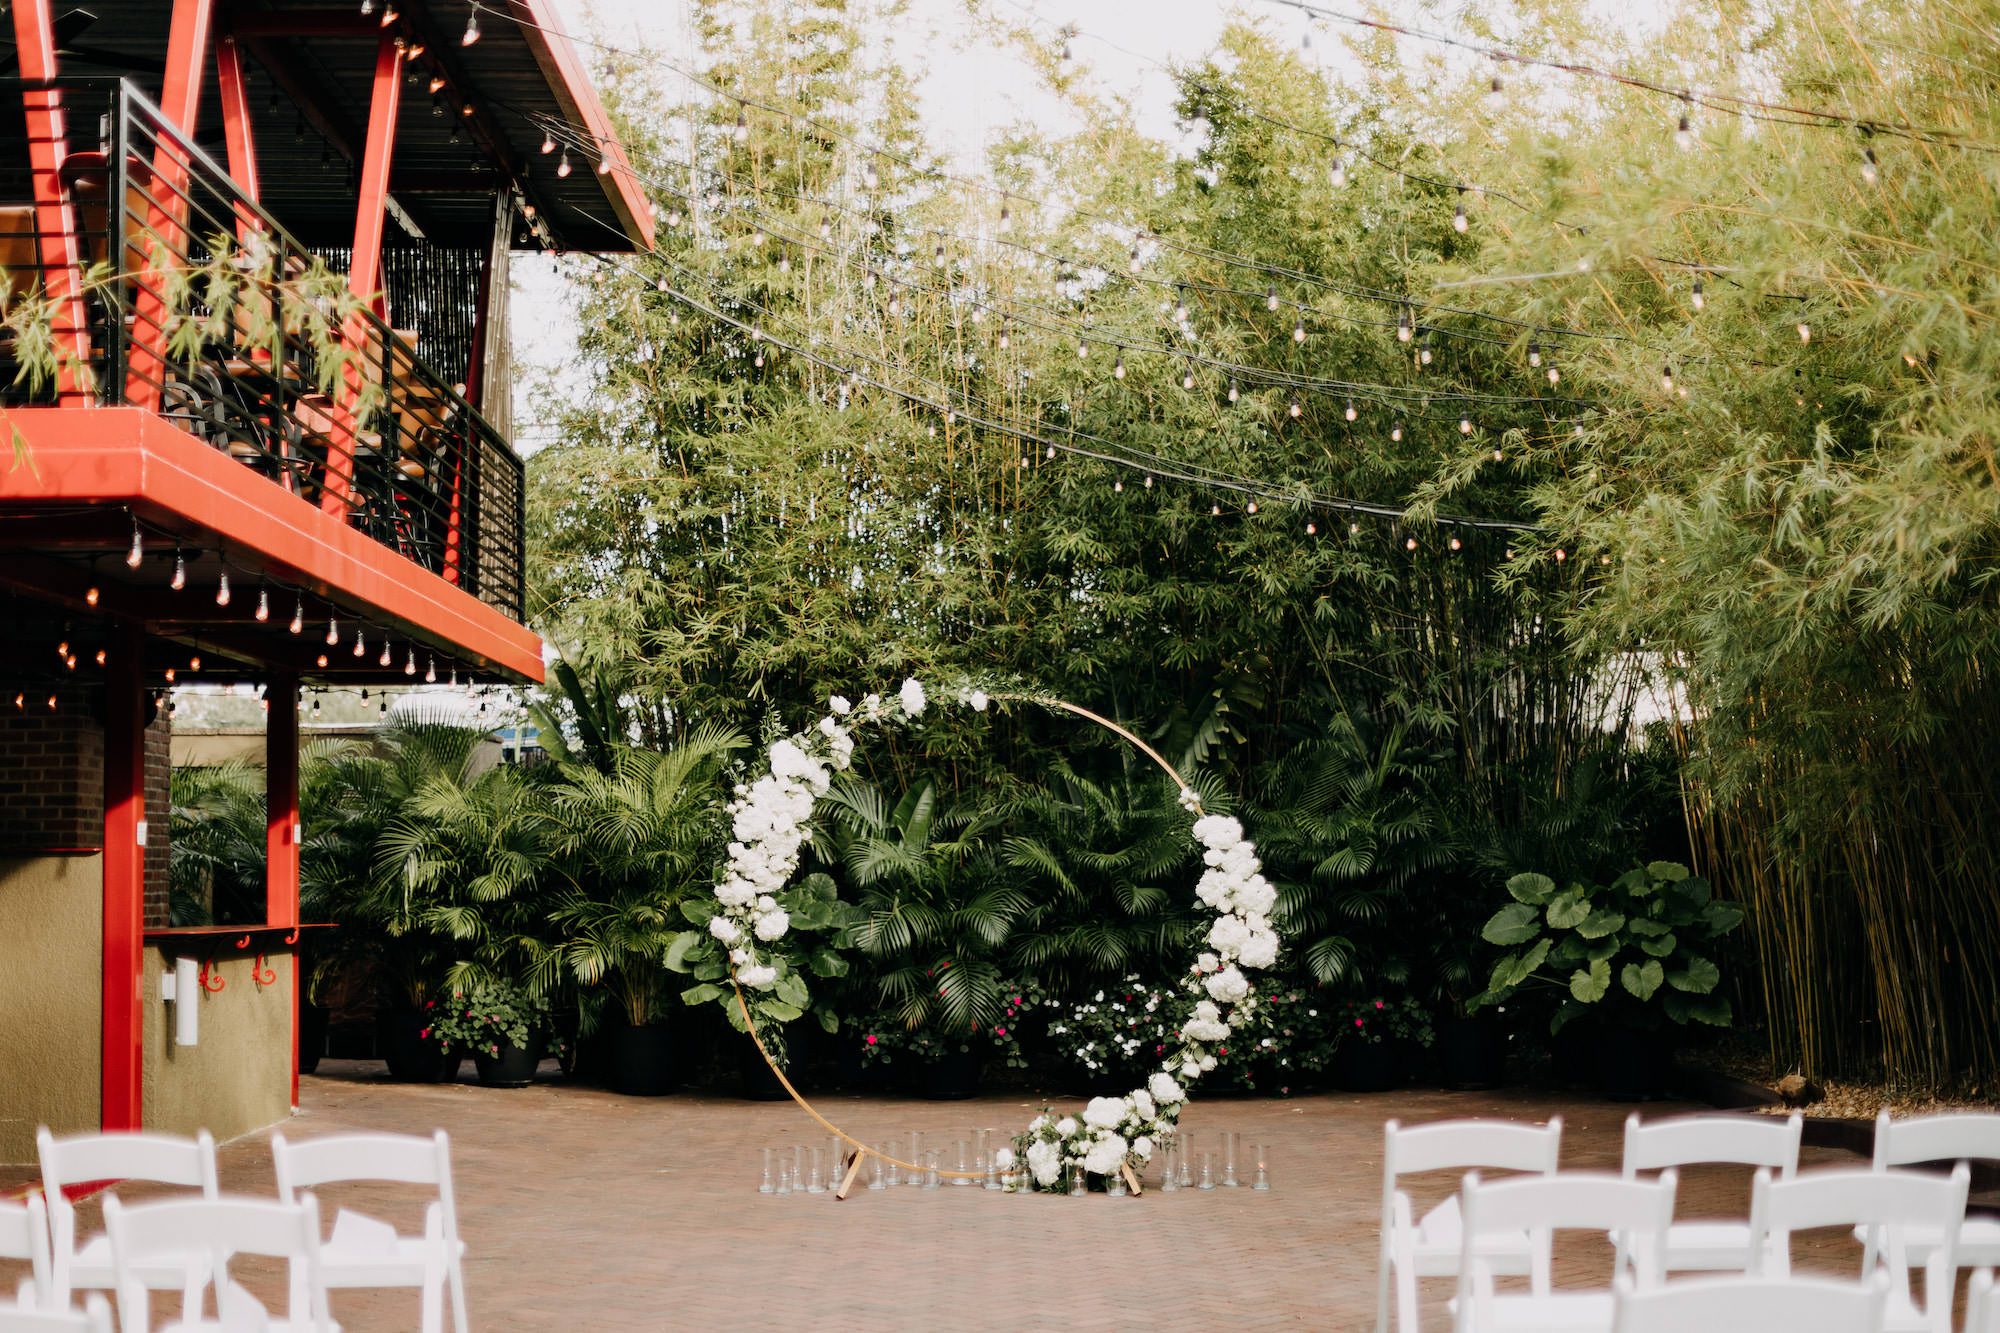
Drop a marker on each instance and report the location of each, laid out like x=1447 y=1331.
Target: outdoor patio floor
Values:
x=585 y=1209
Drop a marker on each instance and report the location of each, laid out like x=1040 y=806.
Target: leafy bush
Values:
x=1118 y=1033
x=474 y=1018
x=1653 y=931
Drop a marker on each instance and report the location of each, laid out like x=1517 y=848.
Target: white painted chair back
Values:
x=94 y=1317
x=1638 y=1212
x=24 y=1234
x=1890 y=1204
x=1955 y=1136
x=82 y=1159
x=221 y=1229
x=432 y=1262
x=1411 y=1248
x=1751 y=1305
x=1756 y=1141
x=1982 y=1304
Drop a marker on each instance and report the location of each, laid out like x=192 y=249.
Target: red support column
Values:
x=166 y=218
x=125 y=837
x=235 y=93
x=365 y=275
x=55 y=220
x=281 y=836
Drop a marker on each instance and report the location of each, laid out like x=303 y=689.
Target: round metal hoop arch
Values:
x=863 y=1150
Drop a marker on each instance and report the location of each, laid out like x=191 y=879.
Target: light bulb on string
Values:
x=137 y=555
x=1555 y=376
x=1082 y=348
x=1495 y=89
x=825 y=226
x=1404 y=331
x=1132 y=264
x=1465 y=425
x=322 y=661
x=603 y=156
x=870 y=178
x=1006 y=222
x=454 y=676
x=1310 y=530
x=1149 y=481
x=431 y=672
x=471 y=27
x=1187 y=376
x=1696 y=299
x=263 y=604
x=315 y=708
x=1666 y=379
x=1295 y=408
x=742 y=131
x=1354 y=529
x=937 y=257
x=360 y=641
x=1271 y=297
x=1233 y=392
x=1052 y=453
x=221 y=590
x=1118 y=486
x=1117 y=371
x=384 y=659
x=1424 y=350
x=1455 y=543
x=1805 y=332
x=332 y=631
x=1868 y=166
x=180 y=572
x=1351 y=413
x=1005 y=340
x=1338 y=173
x=1299 y=329
x=1180 y=308
x=1410 y=544
x=1396 y=431
x=563 y=168
x=1498 y=456
x=1684 y=134
x=298 y=621
x=1561 y=555
x=1459 y=222
x=90 y=595
x=548 y=143
x=1251 y=507
x=1215 y=511
x=1534 y=354
x=410 y=667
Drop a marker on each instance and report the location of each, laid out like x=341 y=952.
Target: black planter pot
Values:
x=639 y=1062
x=509 y=1066
x=1472 y=1052
x=312 y=1035
x=1633 y=1065
x=952 y=1077
x=411 y=1056
x=1367 y=1066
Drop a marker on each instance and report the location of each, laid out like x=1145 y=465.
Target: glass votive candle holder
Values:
x=1263 y=1180
x=875 y=1180
x=1078 y=1185
x=1114 y=1185
x=1229 y=1159
x=1170 y=1176
x=1207 y=1181
x=765 y=1186
x=892 y=1175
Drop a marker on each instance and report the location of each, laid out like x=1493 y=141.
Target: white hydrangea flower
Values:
x=1206 y=962
x=1142 y=1148
x=739 y=957
x=766 y=903
x=828 y=727
x=978 y=701
x=1104 y=1112
x=1066 y=1126
x=1142 y=1103
x=1259 y=950
x=839 y=705
x=912 y=697
x=724 y=929
x=1227 y=985
x=1106 y=1155
x=773 y=925
x=1003 y=1160
x=1165 y=1091
x=1045 y=1161
x=757 y=977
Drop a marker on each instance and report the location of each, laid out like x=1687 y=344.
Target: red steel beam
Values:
x=166 y=214
x=364 y=274
x=281 y=835
x=125 y=835
x=55 y=220
x=235 y=92
x=122 y=456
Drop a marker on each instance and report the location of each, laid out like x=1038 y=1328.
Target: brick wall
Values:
x=159 y=764
x=51 y=778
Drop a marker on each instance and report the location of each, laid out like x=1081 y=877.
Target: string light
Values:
x=1311 y=530
x=548 y=143
x=1666 y=379
x=383 y=660
x=1805 y=332
x=315 y=708
x=1410 y=544
x=1299 y=329
x=1052 y=453
x=1684 y=132
x=1232 y=391
x=471 y=27
x=1560 y=555
x=263 y=604
x=194 y=664
x=1187 y=376
x=1215 y=511
x=1351 y=413
x=322 y=661
x=1454 y=543
x=222 y=589
x=869 y=177
x=1696 y=299
x=1338 y=174
x=137 y=555
x=1006 y=220
x=332 y=631
x=1180 y=306
x=1149 y=481
x=1534 y=354
x=1271 y=297
x=1295 y=408
x=1403 y=328
x=1494 y=90
x=1396 y=431
x=1465 y=425
x=1118 y=486
x=1868 y=166
x=1251 y=507
x=1117 y=371
x=90 y=595
x=742 y=131
x=360 y=641
x=1424 y=351
x=1082 y=348
x=180 y=572
x=563 y=167
x=1459 y=222
x=410 y=667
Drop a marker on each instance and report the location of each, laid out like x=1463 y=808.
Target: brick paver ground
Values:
x=587 y=1210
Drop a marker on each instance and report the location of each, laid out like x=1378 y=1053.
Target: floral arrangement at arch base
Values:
x=768 y=827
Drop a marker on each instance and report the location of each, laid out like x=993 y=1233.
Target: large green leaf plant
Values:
x=1636 y=952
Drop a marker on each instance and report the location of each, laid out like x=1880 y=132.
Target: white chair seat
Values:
x=1440 y=1237
x=92 y=1269
x=1708 y=1246
x=363 y=1252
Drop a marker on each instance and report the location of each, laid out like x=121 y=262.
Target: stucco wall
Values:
x=238 y=1076
x=51 y=938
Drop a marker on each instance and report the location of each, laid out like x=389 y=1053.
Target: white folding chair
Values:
x=1430 y=1247
x=1710 y=1246
x=1982 y=1304
x=24 y=1234
x=103 y=1158
x=220 y=1229
x=1890 y=1204
x=362 y=1252
x=1751 y=1305
x=1950 y=1137
x=1636 y=1212
x=94 y=1317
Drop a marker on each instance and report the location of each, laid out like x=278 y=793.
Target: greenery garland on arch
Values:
x=748 y=925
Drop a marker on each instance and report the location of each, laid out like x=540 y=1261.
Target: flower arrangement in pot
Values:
x=503 y=1027
x=1111 y=1133
x=1635 y=957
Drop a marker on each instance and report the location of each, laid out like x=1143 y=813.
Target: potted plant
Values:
x=1635 y=957
x=500 y=1025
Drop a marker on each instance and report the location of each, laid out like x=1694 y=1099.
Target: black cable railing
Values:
x=376 y=435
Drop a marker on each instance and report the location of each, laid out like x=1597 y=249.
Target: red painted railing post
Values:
x=55 y=220
x=281 y=836
x=125 y=837
x=364 y=276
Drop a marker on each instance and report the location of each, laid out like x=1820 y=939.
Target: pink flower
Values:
x=424 y=1035
x=1357 y=1022
x=871 y=1039
x=999 y=1032
x=1378 y=1004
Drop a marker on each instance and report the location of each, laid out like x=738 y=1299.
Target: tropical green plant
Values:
x=216 y=831
x=1374 y=1020
x=1634 y=952
x=811 y=947
x=933 y=906
x=635 y=839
